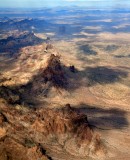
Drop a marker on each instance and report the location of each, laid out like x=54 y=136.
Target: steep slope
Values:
x=64 y=131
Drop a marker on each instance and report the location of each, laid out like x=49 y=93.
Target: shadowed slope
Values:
x=14 y=44
x=52 y=76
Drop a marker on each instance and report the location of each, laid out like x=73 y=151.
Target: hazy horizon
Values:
x=99 y=4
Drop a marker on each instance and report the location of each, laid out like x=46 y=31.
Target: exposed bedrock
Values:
x=58 y=131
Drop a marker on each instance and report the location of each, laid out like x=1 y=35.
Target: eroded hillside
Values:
x=57 y=105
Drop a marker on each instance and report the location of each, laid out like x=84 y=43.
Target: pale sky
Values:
x=54 y=3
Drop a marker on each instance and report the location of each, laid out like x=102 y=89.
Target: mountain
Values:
x=22 y=24
x=14 y=43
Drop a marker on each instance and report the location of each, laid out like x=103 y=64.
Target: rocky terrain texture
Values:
x=43 y=133
x=33 y=133
x=13 y=44
x=53 y=75
x=55 y=107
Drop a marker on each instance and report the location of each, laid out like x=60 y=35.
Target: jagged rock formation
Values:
x=10 y=149
x=72 y=69
x=28 y=134
x=52 y=76
x=12 y=44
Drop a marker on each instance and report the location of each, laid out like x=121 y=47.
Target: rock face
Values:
x=49 y=133
x=52 y=76
x=12 y=150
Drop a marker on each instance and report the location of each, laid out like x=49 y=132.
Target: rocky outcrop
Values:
x=14 y=43
x=63 y=131
x=10 y=149
x=52 y=76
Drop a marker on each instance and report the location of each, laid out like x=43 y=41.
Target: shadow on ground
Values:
x=56 y=77
x=87 y=50
x=104 y=75
x=101 y=118
x=95 y=75
x=105 y=118
x=61 y=78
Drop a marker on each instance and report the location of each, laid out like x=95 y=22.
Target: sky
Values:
x=54 y=3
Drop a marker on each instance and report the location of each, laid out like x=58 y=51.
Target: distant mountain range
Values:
x=14 y=43
x=28 y=24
